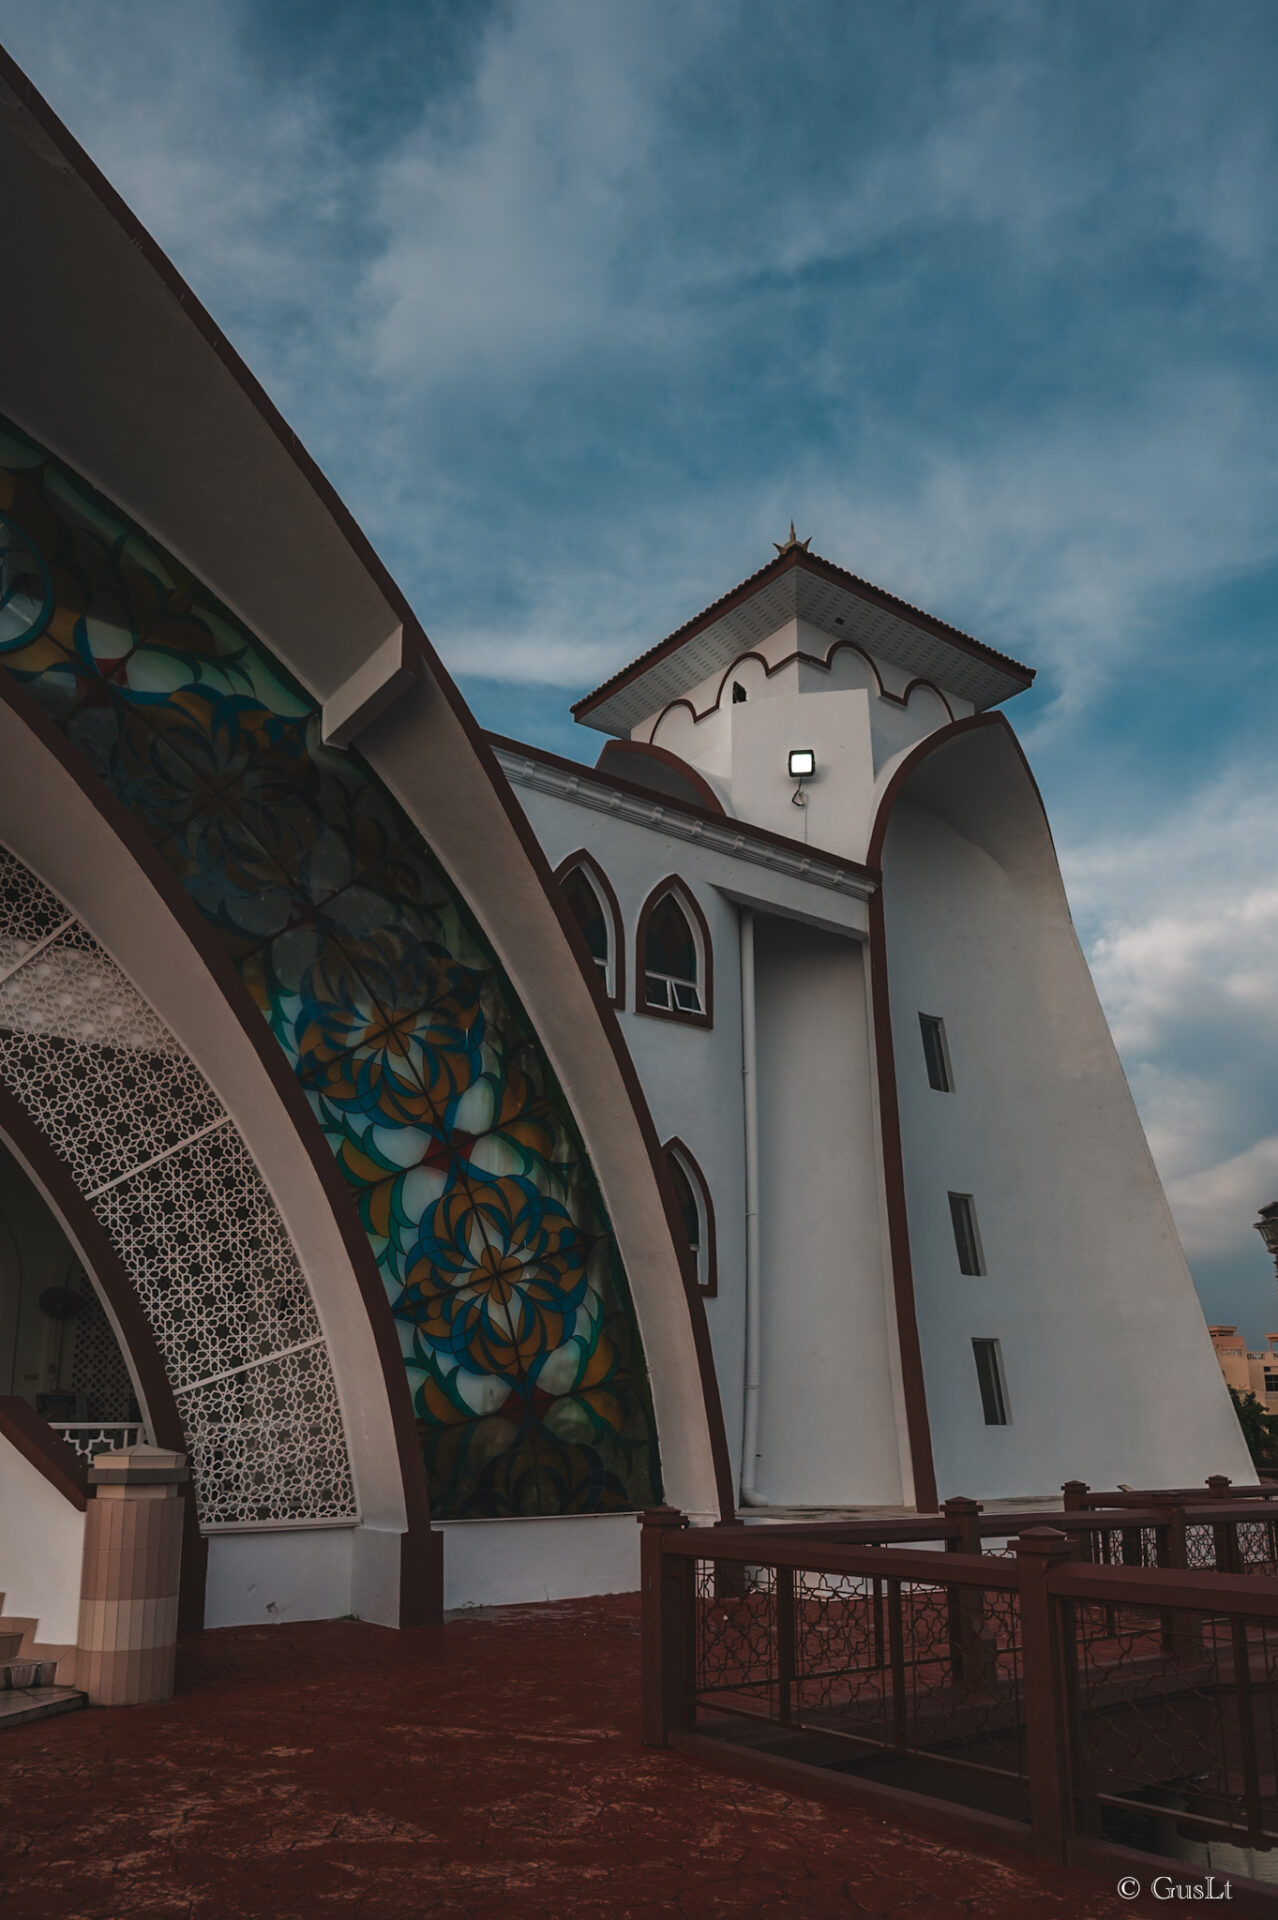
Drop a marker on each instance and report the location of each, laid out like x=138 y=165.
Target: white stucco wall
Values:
x=827 y=1418
x=298 y=1573
x=491 y=1563
x=41 y=1550
x=692 y=1079
x=714 y=733
x=1110 y=1372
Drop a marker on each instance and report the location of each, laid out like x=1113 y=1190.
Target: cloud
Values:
x=1213 y=1207
x=1181 y=925
x=982 y=293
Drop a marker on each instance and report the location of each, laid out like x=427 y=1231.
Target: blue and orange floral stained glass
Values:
x=460 y=1152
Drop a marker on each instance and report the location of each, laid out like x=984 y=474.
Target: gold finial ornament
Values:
x=793 y=544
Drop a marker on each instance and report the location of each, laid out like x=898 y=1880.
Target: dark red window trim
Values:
x=612 y=911
x=674 y=1149
x=687 y=900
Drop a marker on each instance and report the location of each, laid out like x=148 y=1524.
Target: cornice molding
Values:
x=584 y=788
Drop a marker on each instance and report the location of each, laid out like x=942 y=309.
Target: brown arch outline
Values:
x=422 y=1549
x=914 y=1388
x=677 y=1147
x=805 y=659
x=35 y=1153
x=644 y=749
x=584 y=859
x=421 y=1560
x=687 y=899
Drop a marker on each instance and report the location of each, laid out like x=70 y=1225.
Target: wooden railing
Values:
x=1100 y=1714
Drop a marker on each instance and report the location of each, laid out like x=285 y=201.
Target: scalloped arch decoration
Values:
x=462 y=1158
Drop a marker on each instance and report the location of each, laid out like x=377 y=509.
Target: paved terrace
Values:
x=491 y=1767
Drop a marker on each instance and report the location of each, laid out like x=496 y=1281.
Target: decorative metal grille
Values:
x=1178 y=1713
x=267 y=1442
x=98 y=1369
x=907 y=1666
x=211 y=1258
x=177 y=1191
x=92 y=1437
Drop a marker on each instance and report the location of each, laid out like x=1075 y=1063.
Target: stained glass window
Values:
x=588 y=911
x=670 y=959
x=423 y=1070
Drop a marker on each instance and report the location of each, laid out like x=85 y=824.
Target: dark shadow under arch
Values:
x=51 y=1177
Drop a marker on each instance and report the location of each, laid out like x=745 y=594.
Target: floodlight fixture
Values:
x=802 y=764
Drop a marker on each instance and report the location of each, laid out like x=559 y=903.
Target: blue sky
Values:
x=579 y=300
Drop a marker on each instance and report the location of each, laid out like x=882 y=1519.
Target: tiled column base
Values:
x=129 y=1589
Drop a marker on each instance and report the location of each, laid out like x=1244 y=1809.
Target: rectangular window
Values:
x=989 y=1372
x=663 y=990
x=1271 y=1382
x=967 y=1241
x=936 y=1053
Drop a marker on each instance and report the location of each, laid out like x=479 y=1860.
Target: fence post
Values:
x=1181 y=1633
x=969 y=1657
x=666 y=1616
x=1074 y=1496
x=1218 y=1485
x=1038 y=1551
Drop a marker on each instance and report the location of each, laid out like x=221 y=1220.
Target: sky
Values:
x=578 y=301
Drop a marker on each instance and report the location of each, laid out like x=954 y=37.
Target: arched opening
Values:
x=696 y=1211
x=594 y=907
x=58 y=1349
x=674 y=951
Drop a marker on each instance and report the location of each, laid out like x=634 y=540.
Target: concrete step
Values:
x=10 y=1645
x=21 y=1674
x=21 y=1704
x=22 y=1625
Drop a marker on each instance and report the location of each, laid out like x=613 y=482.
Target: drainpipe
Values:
x=750 y=1089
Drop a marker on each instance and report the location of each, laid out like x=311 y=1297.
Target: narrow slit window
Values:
x=989 y=1373
x=936 y=1053
x=967 y=1240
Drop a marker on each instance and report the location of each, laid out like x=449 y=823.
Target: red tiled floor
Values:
x=491 y=1767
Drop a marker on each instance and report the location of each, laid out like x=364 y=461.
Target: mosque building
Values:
x=453 y=1149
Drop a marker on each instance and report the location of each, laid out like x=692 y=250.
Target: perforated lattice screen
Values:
x=150 y=1145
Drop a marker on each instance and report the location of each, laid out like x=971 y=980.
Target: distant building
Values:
x=1248 y=1372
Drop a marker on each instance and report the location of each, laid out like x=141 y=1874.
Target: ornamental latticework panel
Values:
x=98 y=1369
x=426 y=1078
x=149 y=1144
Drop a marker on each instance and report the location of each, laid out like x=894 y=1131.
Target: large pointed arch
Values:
x=143 y=393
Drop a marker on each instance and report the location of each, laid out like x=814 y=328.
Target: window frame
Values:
x=965 y=1204
x=997 y=1395
x=614 y=982
x=706 y=1259
x=700 y=931
x=934 y=1023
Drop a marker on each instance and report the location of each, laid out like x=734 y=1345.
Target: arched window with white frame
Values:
x=674 y=960
x=696 y=1211
x=593 y=905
